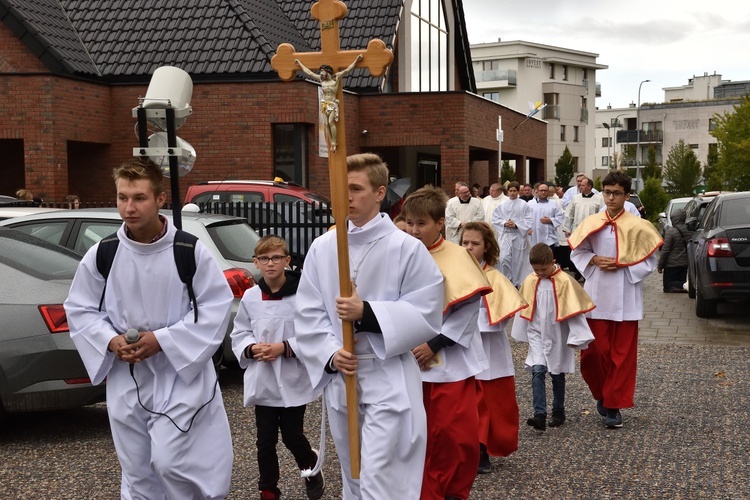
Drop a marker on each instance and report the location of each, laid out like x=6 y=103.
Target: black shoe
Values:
x=538 y=421
x=484 y=460
x=558 y=418
x=315 y=486
x=613 y=419
x=600 y=408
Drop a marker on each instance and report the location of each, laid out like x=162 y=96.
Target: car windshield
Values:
x=735 y=212
x=235 y=240
x=676 y=205
x=317 y=197
x=36 y=257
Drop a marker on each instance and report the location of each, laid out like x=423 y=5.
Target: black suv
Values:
x=719 y=253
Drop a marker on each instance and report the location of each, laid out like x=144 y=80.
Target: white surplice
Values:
x=457 y=212
x=545 y=233
x=513 y=242
x=489 y=204
x=551 y=343
x=144 y=292
x=283 y=382
x=397 y=276
x=580 y=208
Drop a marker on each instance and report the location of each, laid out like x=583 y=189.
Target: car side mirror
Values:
x=662 y=215
x=692 y=223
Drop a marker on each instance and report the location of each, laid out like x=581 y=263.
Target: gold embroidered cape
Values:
x=570 y=297
x=504 y=301
x=462 y=276
x=636 y=238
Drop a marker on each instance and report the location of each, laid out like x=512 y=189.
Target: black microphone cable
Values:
x=131 y=337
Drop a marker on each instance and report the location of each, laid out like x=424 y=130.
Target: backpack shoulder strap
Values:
x=105 y=255
x=184 y=258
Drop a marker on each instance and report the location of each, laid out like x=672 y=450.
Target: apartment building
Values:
x=515 y=73
x=687 y=114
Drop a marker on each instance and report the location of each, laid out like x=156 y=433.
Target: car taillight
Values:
x=54 y=317
x=719 y=247
x=239 y=280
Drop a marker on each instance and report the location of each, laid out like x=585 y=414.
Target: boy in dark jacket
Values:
x=673 y=259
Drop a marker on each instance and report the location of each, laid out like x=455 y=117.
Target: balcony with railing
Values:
x=598 y=89
x=506 y=77
x=551 y=112
x=631 y=136
x=584 y=115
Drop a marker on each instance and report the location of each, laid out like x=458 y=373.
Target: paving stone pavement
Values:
x=670 y=317
x=686 y=438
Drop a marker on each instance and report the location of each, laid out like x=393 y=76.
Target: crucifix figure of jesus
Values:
x=330 y=83
x=335 y=64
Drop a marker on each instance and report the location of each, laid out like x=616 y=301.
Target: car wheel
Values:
x=703 y=308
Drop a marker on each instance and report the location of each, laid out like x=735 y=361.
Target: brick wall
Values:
x=231 y=128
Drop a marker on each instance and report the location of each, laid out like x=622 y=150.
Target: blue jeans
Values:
x=539 y=392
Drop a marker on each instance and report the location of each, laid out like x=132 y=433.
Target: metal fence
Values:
x=298 y=223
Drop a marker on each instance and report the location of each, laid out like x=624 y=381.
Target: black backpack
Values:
x=184 y=258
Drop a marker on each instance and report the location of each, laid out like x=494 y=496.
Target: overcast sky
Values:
x=664 y=41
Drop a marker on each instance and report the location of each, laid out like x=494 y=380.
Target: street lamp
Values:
x=609 y=145
x=638 y=144
x=614 y=125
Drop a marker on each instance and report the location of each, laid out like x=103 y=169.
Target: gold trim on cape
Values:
x=636 y=238
x=504 y=301
x=570 y=297
x=462 y=276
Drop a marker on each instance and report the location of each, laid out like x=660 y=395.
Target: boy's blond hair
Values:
x=372 y=165
x=141 y=168
x=541 y=255
x=428 y=201
x=269 y=243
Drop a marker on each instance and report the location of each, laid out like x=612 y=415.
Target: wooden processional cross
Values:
x=376 y=59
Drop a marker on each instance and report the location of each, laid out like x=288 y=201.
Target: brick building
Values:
x=70 y=73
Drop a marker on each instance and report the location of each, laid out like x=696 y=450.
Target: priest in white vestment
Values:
x=490 y=203
x=512 y=220
x=460 y=209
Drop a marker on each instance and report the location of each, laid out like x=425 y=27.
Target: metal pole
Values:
x=609 y=146
x=174 y=169
x=614 y=133
x=638 y=135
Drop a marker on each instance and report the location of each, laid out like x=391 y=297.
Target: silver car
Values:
x=40 y=368
x=231 y=240
x=665 y=217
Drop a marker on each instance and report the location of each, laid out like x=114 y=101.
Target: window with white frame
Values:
x=562 y=132
x=605 y=161
x=429 y=46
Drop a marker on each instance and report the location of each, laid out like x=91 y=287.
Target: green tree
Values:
x=565 y=167
x=682 y=171
x=507 y=173
x=709 y=168
x=654 y=197
x=651 y=168
x=733 y=133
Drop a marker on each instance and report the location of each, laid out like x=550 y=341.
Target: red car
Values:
x=235 y=191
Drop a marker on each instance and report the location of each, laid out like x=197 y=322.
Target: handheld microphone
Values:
x=132 y=336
